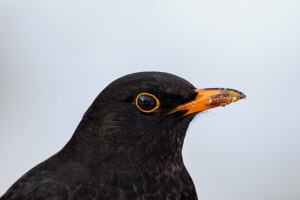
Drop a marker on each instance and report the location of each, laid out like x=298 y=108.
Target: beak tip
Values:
x=243 y=96
x=238 y=93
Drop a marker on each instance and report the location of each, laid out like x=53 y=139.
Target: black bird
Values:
x=128 y=144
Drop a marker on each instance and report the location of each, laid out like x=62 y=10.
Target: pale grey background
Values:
x=56 y=56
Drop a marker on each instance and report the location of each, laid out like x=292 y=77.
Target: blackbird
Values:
x=128 y=144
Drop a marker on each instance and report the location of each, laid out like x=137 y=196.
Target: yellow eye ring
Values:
x=146 y=102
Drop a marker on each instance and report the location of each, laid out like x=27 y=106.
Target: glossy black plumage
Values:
x=118 y=151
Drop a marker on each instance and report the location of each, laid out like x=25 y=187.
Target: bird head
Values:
x=148 y=112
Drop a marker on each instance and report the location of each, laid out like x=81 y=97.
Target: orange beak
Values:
x=210 y=98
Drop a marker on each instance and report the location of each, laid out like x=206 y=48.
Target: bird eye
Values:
x=147 y=102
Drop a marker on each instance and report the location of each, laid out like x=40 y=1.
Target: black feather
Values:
x=118 y=151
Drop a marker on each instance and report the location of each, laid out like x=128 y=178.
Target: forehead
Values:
x=152 y=82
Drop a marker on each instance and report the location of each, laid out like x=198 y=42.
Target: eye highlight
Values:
x=146 y=102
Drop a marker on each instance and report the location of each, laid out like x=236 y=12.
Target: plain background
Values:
x=56 y=57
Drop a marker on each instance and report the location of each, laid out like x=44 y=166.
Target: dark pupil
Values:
x=146 y=102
